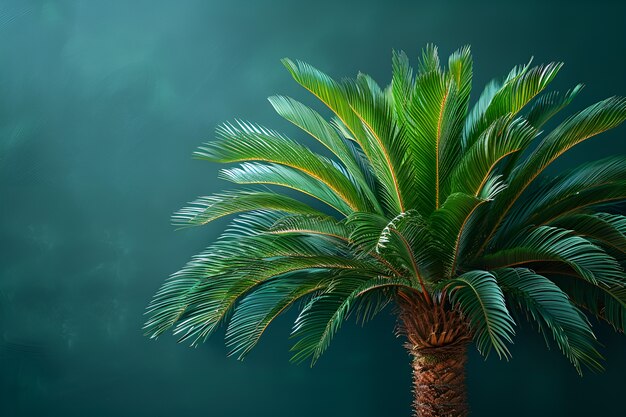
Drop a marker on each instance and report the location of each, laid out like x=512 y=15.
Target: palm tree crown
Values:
x=441 y=209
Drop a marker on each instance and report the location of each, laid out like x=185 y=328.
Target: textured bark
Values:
x=439 y=382
x=436 y=337
x=430 y=324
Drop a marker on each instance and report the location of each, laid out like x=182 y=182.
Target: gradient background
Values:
x=101 y=106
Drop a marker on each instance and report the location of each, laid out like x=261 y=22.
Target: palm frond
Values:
x=434 y=122
x=551 y=244
x=322 y=317
x=385 y=145
x=170 y=302
x=605 y=302
x=258 y=309
x=549 y=307
x=366 y=229
x=406 y=242
x=477 y=112
x=572 y=192
x=329 y=92
x=206 y=209
x=402 y=83
x=313 y=225
x=448 y=225
x=501 y=139
x=275 y=174
x=248 y=142
x=602 y=228
x=460 y=68
x=587 y=123
x=480 y=299
x=333 y=95
x=548 y=105
x=522 y=85
x=315 y=125
x=213 y=300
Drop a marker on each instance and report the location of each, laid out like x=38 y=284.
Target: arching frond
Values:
x=320 y=319
x=248 y=142
x=606 y=303
x=170 y=302
x=603 y=228
x=206 y=209
x=313 y=225
x=315 y=125
x=549 y=307
x=275 y=174
x=366 y=228
x=449 y=226
x=547 y=244
x=257 y=310
x=477 y=112
x=480 y=298
x=329 y=92
x=587 y=123
x=574 y=191
x=501 y=139
x=214 y=299
x=518 y=90
x=548 y=105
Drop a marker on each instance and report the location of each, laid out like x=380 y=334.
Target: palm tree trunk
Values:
x=436 y=337
x=439 y=381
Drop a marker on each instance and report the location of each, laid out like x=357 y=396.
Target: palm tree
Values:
x=420 y=203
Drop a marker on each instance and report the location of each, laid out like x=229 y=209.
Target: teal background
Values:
x=101 y=106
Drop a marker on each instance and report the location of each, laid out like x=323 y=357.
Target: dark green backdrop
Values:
x=101 y=105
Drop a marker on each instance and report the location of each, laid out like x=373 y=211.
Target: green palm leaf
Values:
x=603 y=228
x=258 y=309
x=501 y=139
x=587 y=123
x=572 y=192
x=520 y=87
x=548 y=105
x=548 y=306
x=315 y=125
x=606 y=303
x=434 y=116
x=480 y=298
x=551 y=244
x=275 y=174
x=206 y=209
x=248 y=142
x=322 y=317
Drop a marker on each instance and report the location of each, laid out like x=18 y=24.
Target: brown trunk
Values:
x=439 y=382
x=436 y=337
